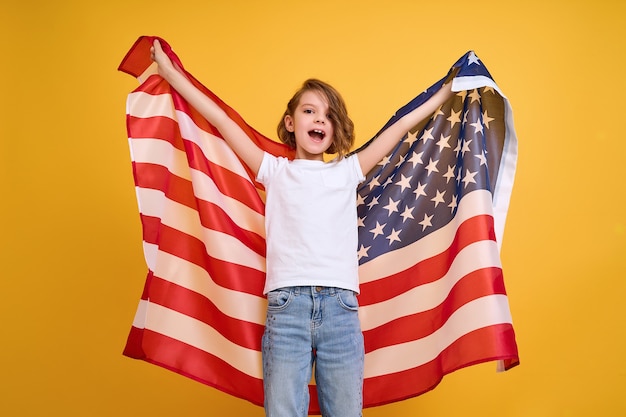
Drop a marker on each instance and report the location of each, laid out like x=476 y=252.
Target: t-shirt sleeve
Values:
x=267 y=167
x=356 y=167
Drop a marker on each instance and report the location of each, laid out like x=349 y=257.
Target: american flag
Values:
x=431 y=218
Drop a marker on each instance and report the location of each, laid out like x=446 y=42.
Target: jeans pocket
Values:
x=347 y=299
x=278 y=299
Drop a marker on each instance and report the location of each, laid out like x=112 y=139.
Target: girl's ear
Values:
x=289 y=123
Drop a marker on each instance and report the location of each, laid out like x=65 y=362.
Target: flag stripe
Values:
x=471 y=316
x=200 y=365
x=206 y=197
x=199 y=307
x=428 y=295
x=413 y=325
x=482 y=345
x=236 y=304
x=229 y=275
x=195 y=333
x=428 y=270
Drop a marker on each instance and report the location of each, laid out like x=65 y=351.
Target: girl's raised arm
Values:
x=385 y=142
x=234 y=136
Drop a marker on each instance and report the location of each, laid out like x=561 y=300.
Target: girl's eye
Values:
x=308 y=111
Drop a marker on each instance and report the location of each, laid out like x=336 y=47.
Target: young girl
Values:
x=311 y=234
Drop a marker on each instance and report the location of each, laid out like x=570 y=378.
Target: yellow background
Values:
x=72 y=268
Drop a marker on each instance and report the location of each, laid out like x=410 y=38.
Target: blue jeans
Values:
x=306 y=326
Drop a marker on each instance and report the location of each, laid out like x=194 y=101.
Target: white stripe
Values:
x=506 y=174
x=160 y=152
x=239 y=305
x=143 y=105
x=476 y=256
x=472 y=82
x=180 y=217
x=202 y=336
x=473 y=204
x=483 y=312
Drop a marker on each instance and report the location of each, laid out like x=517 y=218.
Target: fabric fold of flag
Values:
x=431 y=219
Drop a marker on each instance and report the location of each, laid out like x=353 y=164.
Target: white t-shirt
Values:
x=311 y=222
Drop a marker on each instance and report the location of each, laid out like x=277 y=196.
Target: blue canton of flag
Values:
x=417 y=188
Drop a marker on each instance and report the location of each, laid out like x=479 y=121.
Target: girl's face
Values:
x=311 y=126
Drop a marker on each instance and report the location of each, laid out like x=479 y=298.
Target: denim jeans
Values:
x=306 y=326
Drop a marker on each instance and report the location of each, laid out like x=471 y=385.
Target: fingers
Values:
x=154 y=49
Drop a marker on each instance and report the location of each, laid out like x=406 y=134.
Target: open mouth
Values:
x=317 y=134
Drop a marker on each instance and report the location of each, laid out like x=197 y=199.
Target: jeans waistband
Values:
x=313 y=289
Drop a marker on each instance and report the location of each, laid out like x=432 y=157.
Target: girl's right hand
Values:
x=165 y=65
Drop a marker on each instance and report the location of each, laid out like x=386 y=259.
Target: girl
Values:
x=311 y=234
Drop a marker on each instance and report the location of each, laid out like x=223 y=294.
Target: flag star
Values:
x=407 y=213
x=362 y=253
x=428 y=134
x=378 y=230
x=462 y=94
x=359 y=199
x=426 y=222
x=419 y=190
x=454 y=118
x=469 y=177
x=489 y=88
x=487 y=119
x=392 y=206
x=458 y=147
x=393 y=236
x=473 y=59
x=360 y=222
x=438 y=113
x=384 y=161
x=404 y=182
x=453 y=203
x=374 y=182
x=401 y=161
x=443 y=142
x=466 y=148
x=416 y=158
x=474 y=95
x=438 y=198
x=432 y=166
x=373 y=202
x=478 y=127
x=482 y=158
x=411 y=138
x=387 y=182
x=449 y=174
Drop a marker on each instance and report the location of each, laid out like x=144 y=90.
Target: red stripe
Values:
x=180 y=190
x=475 y=285
x=201 y=366
x=483 y=345
x=198 y=306
x=157 y=127
x=475 y=229
x=226 y=274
